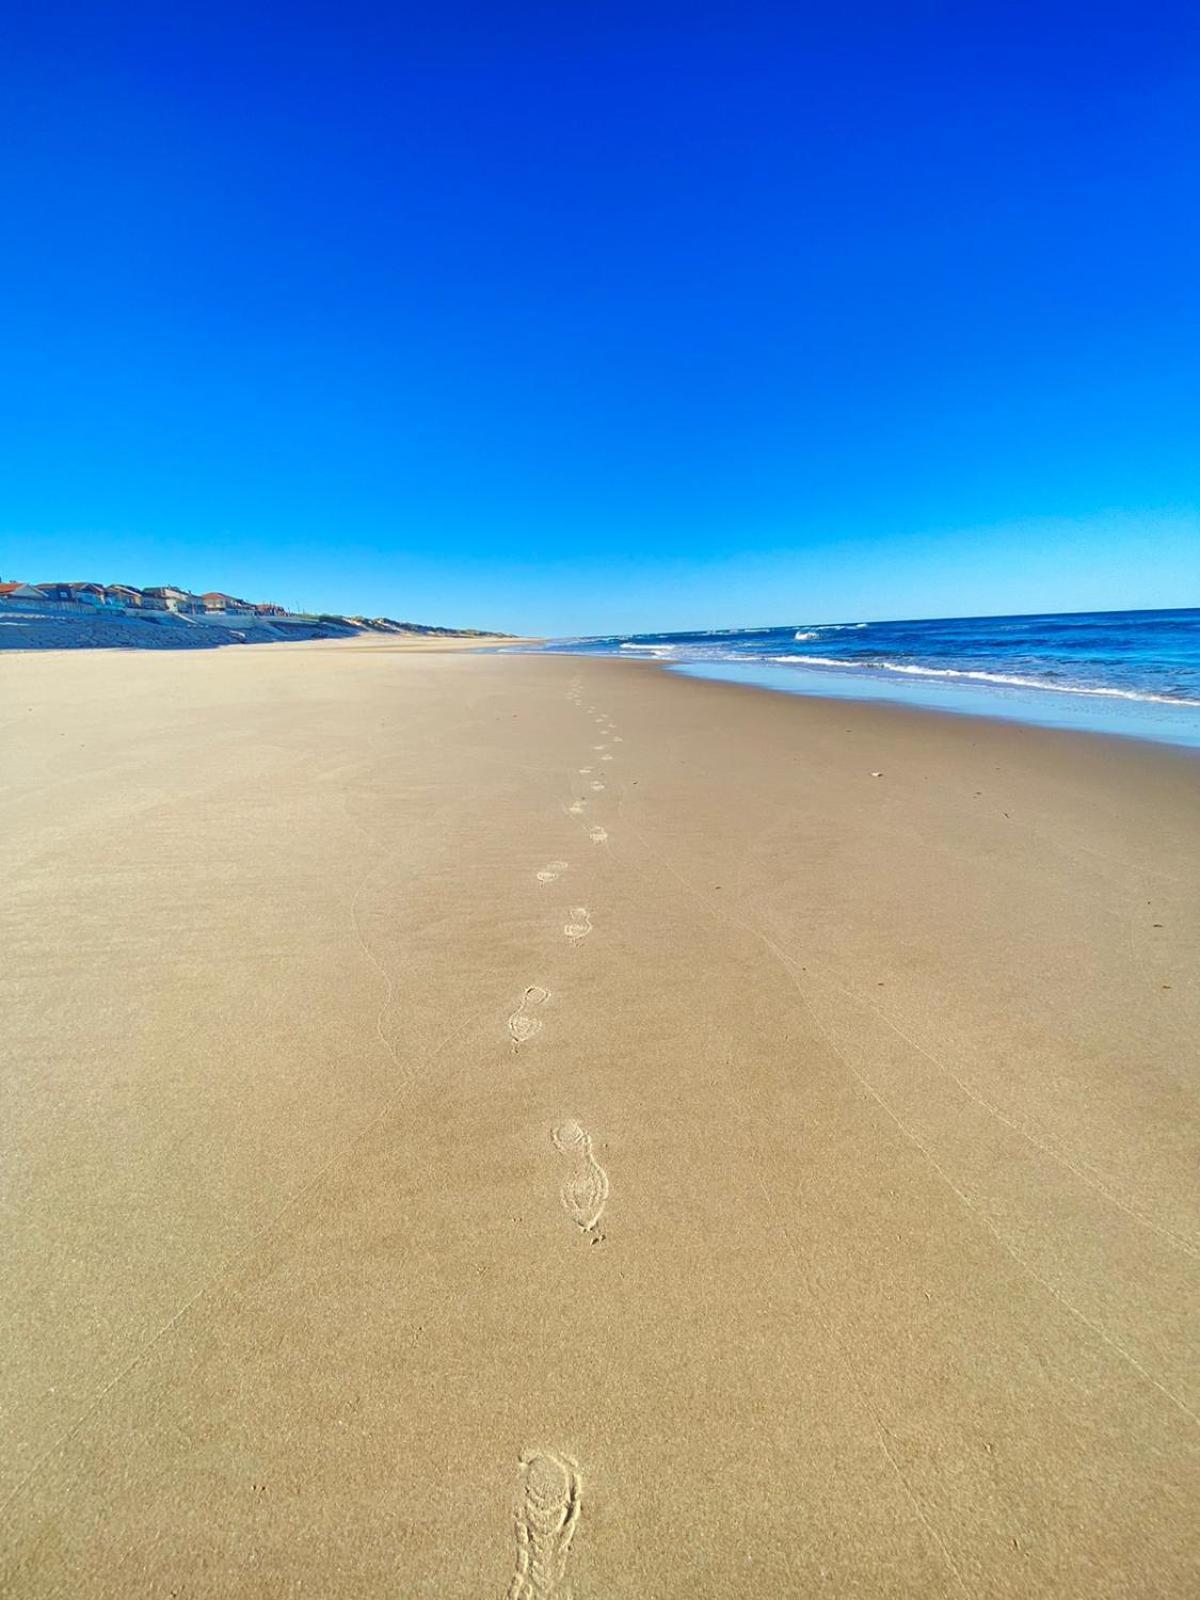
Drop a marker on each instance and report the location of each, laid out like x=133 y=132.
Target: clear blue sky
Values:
x=586 y=316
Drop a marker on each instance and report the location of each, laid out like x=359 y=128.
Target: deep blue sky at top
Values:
x=577 y=316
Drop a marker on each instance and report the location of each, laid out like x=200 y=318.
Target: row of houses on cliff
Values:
x=120 y=596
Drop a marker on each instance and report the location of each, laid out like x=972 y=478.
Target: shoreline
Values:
x=759 y=1125
x=1159 y=722
x=1134 y=673
x=1119 y=737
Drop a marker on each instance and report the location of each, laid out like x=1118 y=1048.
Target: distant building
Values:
x=168 y=598
x=214 y=600
x=21 y=591
x=268 y=608
x=88 y=594
x=120 y=594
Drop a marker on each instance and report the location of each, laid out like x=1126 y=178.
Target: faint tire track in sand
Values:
x=1039 y=1138
x=721 y=913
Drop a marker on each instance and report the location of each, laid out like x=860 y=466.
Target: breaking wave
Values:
x=978 y=676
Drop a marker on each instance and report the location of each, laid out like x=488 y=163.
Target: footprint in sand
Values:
x=583 y=771
x=598 y=835
x=546 y=1519
x=617 y=739
x=606 y=758
x=597 y=786
x=551 y=872
x=522 y=1026
x=585 y=1188
x=599 y=747
x=577 y=808
x=579 y=926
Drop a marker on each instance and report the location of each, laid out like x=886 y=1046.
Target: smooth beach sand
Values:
x=430 y=1173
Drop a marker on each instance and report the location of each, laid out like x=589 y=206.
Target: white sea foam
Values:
x=1009 y=679
x=1033 y=683
x=651 y=649
x=817 y=661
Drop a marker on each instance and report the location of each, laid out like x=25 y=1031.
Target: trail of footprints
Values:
x=548 y=1502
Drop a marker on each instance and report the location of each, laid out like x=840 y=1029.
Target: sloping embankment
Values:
x=92 y=628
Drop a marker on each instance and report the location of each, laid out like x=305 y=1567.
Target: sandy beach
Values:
x=486 y=1125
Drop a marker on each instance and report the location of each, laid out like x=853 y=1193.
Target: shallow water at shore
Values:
x=1137 y=719
x=1135 y=673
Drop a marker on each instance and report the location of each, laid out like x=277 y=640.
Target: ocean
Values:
x=1129 y=672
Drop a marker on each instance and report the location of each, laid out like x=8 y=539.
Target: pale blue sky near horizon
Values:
x=1106 y=563
x=606 y=318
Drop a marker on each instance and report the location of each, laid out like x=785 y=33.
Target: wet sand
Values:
x=540 y=1126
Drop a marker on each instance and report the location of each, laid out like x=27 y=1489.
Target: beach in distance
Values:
x=541 y=1125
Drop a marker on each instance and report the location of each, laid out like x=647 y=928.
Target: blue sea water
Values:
x=1128 y=672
